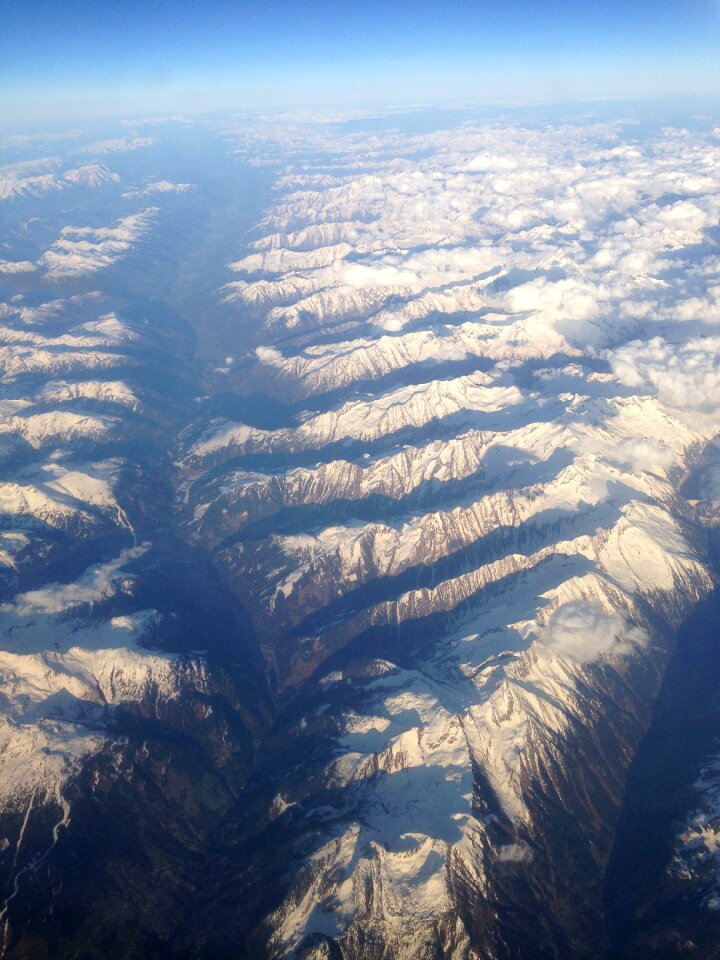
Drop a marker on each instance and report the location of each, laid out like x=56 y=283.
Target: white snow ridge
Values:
x=512 y=369
x=344 y=554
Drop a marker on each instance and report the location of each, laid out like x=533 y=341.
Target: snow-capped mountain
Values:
x=351 y=539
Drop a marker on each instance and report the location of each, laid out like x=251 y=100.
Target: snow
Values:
x=118 y=145
x=12 y=542
x=61 y=669
x=226 y=435
x=83 y=250
x=158 y=187
x=328 y=367
x=515 y=536
x=696 y=848
x=19 y=182
x=406 y=407
x=107 y=391
x=57 y=426
x=92 y=485
x=525 y=560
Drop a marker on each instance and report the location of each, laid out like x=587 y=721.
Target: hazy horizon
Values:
x=78 y=61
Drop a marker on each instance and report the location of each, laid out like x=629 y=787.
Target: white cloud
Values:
x=585 y=631
x=487 y=162
x=446 y=350
x=570 y=307
x=514 y=853
x=16 y=266
x=684 y=376
x=97 y=583
x=641 y=453
x=268 y=355
x=384 y=275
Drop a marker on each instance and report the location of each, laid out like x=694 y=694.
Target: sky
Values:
x=67 y=58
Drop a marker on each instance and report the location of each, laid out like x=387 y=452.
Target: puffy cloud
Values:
x=585 y=631
x=683 y=376
x=16 y=266
x=487 y=162
x=383 y=275
x=596 y=224
x=447 y=350
x=640 y=453
x=97 y=583
x=684 y=215
x=699 y=310
x=268 y=355
x=568 y=305
x=514 y=853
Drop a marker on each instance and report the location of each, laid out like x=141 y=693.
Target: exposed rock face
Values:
x=338 y=600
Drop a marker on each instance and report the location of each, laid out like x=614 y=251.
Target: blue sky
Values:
x=76 y=57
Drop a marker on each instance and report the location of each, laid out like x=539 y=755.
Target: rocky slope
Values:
x=346 y=565
x=467 y=584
